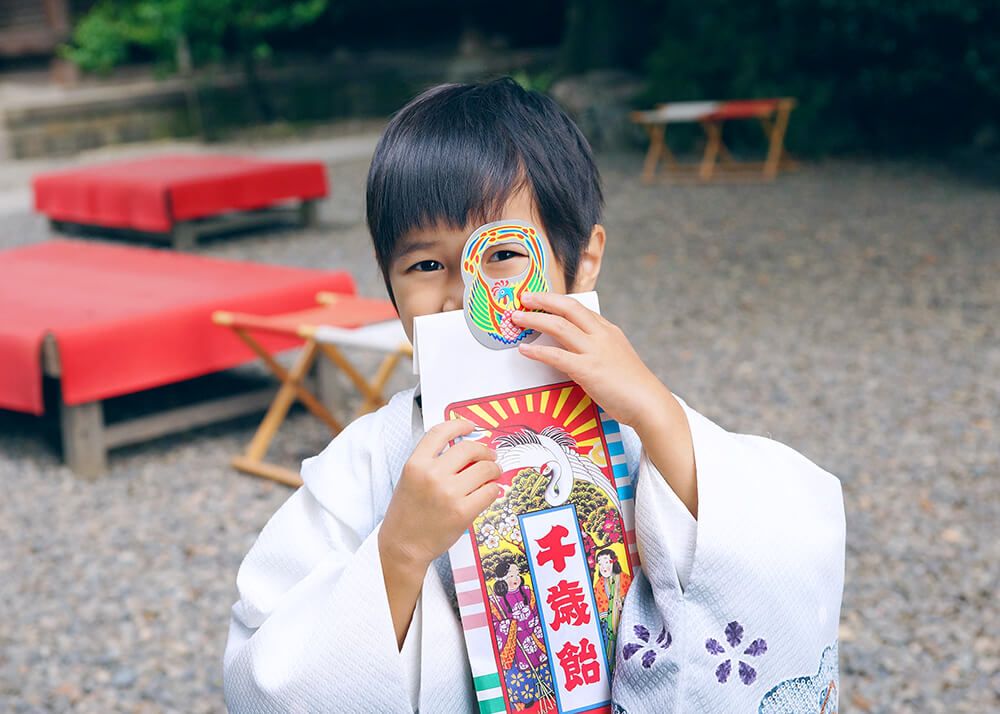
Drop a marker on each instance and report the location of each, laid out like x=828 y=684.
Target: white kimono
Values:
x=737 y=613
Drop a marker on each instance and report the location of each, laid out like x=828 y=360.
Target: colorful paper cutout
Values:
x=489 y=302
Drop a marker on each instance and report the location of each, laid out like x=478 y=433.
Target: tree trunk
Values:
x=590 y=40
x=186 y=69
x=259 y=98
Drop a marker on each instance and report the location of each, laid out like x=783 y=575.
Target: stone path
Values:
x=850 y=311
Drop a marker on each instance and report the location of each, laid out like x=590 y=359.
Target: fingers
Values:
x=464 y=453
x=477 y=475
x=481 y=499
x=568 y=334
x=554 y=357
x=438 y=437
x=564 y=306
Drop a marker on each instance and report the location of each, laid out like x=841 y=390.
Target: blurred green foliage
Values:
x=181 y=34
x=868 y=74
x=210 y=29
x=534 y=82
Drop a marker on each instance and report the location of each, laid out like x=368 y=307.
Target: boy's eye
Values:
x=503 y=263
x=499 y=255
x=426 y=266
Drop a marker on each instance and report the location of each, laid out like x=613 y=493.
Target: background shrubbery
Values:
x=918 y=76
x=869 y=74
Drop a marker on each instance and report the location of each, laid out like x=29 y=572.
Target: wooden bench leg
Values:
x=291 y=387
x=84 y=450
x=379 y=380
x=309 y=213
x=370 y=391
x=714 y=133
x=328 y=384
x=184 y=236
x=657 y=141
x=777 y=141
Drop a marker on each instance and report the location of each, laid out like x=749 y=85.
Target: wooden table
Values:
x=771 y=114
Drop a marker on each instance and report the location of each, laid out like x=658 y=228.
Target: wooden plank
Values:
x=247 y=219
x=328 y=388
x=309 y=213
x=211 y=411
x=51 y=365
x=266 y=470
x=184 y=236
x=85 y=449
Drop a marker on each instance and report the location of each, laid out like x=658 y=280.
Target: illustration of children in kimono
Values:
x=609 y=592
x=523 y=659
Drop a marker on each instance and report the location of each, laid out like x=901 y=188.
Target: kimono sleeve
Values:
x=768 y=518
x=754 y=628
x=312 y=630
x=668 y=556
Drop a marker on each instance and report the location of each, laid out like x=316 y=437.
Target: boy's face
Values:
x=426 y=273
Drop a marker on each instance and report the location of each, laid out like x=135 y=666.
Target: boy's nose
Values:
x=453 y=299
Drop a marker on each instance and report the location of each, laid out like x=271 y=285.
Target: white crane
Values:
x=551 y=452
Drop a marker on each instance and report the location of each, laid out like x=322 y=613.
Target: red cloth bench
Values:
x=772 y=114
x=110 y=320
x=180 y=196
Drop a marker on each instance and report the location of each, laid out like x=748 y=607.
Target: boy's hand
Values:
x=437 y=498
x=438 y=495
x=596 y=355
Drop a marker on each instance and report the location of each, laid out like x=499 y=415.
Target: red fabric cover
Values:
x=347 y=312
x=152 y=194
x=127 y=319
x=744 y=109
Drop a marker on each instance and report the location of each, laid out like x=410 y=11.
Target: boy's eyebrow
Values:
x=413 y=246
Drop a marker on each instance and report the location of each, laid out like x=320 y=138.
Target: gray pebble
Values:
x=848 y=310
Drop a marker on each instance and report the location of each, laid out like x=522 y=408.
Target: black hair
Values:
x=500 y=587
x=617 y=567
x=457 y=152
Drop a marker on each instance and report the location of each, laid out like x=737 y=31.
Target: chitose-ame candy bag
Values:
x=542 y=574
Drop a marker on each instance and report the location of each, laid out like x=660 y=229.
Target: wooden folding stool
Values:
x=716 y=160
x=339 y=321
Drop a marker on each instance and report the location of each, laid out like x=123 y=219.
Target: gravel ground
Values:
x=849 y=310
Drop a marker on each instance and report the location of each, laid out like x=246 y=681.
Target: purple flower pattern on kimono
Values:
x=734 y=636
x=663 y=641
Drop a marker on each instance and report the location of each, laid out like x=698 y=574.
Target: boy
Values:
x=347 y=601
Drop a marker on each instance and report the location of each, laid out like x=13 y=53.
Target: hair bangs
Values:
x=444 y=162
x=456 y=154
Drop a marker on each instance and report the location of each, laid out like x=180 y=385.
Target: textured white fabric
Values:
x=764 y=589
x=410 y=653
x=311 y=631
x=387 y=336
x=679 y=527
